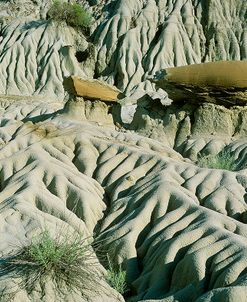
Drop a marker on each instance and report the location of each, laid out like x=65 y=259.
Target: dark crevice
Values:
x=152 y=45
x=82 y=56
x=106 y=200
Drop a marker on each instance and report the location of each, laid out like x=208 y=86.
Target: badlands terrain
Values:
x=101 y=135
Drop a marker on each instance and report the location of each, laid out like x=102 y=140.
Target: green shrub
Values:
x=72 y=13
x=116 y=277
x=223 y=160
x=68 y=261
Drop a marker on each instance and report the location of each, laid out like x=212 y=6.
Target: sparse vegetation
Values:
x=116 y=277
x=68 y=261
x=72 y=13
x=223 y=160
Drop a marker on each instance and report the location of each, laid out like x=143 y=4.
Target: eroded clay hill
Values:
x=133 y=41
x=178 y=230
x=138 y=38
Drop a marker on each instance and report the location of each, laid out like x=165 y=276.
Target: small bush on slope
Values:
x=116 y=277
x=223 y=160
x=68 y=261
x=72 y=13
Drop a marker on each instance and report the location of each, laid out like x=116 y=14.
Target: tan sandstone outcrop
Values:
x=94 y=89
x=224 y=74
x=223 y=82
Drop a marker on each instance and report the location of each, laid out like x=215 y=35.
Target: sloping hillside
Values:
x=149 y=212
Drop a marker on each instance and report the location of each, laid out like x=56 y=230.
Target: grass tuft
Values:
x=223 y=160
x=73 y=14
x=116 y=277
x=68 y=261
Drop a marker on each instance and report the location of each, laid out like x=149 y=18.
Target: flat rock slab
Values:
x=93 y=89
x=223 y=82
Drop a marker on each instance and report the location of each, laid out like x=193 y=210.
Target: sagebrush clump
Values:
x=72 y=13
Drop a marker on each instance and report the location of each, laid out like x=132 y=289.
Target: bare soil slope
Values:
x=178 y=229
